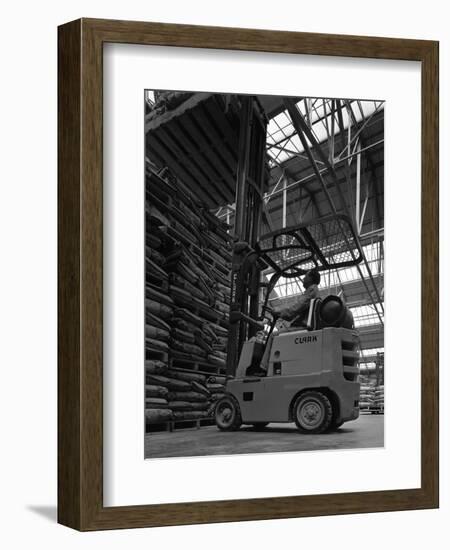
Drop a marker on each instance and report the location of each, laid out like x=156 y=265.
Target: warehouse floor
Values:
x=367 y=431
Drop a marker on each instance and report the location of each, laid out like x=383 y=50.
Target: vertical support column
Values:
x=284 y=214
x=242 y=169
x=258 y=173
x=331 y=155
x=377 y=370
x=358 y=190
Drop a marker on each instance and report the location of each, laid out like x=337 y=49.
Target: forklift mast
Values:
x=250 y=186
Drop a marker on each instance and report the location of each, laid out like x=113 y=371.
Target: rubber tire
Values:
x=325 y=404
x=259 y=425
x=236 y=420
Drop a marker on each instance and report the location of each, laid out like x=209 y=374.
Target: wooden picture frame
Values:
x=80 y=271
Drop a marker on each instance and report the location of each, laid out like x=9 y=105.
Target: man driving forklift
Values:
x=298 y=312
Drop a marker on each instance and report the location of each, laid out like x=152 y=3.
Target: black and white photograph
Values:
x=197 y=290
x=264 y=273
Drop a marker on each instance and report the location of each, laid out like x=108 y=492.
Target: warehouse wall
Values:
x=28 y=275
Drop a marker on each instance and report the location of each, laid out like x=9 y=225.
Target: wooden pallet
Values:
x=174 y=368
x=372 y=410
x=157 y=354
x=175 y=425
x=192 y=424
x=159 y=427
x=197 y=366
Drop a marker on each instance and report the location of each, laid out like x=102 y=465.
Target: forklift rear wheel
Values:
x=312 y=412
x=228 y=415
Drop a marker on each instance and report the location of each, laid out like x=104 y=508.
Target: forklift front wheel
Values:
x=228 y=415
x=312 y=412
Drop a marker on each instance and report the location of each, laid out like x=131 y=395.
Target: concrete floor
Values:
x=367 y=431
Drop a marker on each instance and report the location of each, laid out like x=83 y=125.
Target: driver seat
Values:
x=313 y=315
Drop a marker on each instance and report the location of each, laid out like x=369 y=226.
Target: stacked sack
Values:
x=176 y=394
x=379 y=396
x=156 y=393
x=197 y=261
x=366 y=397
x=158 y=304
x=188 y=265
x=159 y=308
x=200 y=292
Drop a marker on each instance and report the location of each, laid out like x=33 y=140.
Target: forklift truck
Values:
x=312 y=374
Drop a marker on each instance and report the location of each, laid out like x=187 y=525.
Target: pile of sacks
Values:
x=176 y=394
x=158 y=304
x=187 y=300
x=367 y=396
x=188 y=274
x=371 y=396
x=379 y=396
